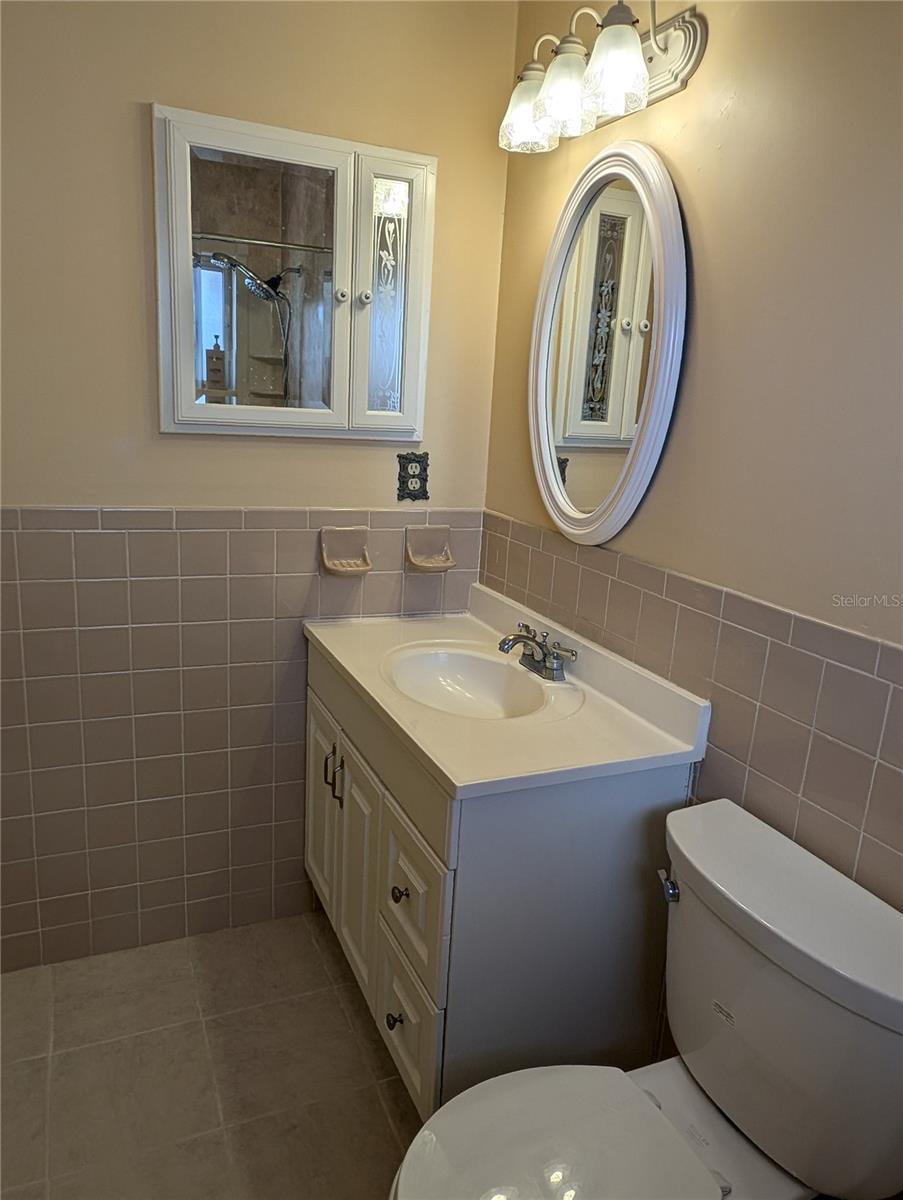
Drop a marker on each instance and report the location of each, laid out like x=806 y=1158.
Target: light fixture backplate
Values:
x=684 y=39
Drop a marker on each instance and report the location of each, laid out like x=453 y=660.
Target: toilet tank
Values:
x=785 y=999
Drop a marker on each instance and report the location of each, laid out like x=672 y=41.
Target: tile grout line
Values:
x=84 y=765
x=272 y=784
x=799 y=791
x=48 y=1100
x=128 y=573
x=217 y=1099
x=874 y=772
x=184 y=757
x=228 y=655
x=213 y=1016
x=752 y=737
x=28 y=759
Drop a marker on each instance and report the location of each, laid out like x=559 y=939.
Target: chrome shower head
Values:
x=257 y=286
x=225 y=260
x=260 y=289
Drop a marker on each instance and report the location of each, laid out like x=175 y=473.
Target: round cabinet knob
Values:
x=341 y=295
x=365 y=297
x=627 y=324
x=398 y=894
x=645 y=326
x=392 y=1020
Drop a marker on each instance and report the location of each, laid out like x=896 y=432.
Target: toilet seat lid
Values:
x=553 y=1133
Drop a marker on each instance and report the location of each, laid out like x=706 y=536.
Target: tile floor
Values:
x=238 y=1065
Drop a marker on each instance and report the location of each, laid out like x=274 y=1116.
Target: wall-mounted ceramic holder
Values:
x=344 y=551
x=427 y=548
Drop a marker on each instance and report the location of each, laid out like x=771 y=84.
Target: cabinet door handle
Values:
x=335 y=775
x=365 y=297
x=392 y=1020
x=398 y=894
x=330 y=755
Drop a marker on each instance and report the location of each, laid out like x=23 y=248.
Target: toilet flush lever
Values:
x=669 y=887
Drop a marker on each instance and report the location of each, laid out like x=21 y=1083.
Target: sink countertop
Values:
x=471 y=756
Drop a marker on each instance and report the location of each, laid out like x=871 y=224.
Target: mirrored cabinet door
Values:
x=294 y=276
x=393 y=256
x=268 y=330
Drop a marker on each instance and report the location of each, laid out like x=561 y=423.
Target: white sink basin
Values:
x=472 y=681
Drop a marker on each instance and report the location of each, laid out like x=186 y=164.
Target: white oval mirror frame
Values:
x=640 y=166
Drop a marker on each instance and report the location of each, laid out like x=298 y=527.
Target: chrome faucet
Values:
x=537 y=655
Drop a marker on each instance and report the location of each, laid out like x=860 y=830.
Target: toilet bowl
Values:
x=785 y=999
x=588 y=1133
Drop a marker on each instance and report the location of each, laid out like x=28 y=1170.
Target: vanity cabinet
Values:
x=518 y=927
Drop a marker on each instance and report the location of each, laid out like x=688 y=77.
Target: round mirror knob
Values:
x=365 y=297
x=341 y=295
x=645 y=326
x=627 y=324
x=398 y=894
x=392 y=1020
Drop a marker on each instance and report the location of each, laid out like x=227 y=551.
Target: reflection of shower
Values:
x=269 y=290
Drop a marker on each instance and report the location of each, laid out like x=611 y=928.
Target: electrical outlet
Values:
x=413 y=475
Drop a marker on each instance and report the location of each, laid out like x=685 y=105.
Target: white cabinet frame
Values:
x=353 y=164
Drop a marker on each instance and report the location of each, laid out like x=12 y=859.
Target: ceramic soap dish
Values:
x=427 y=548
x=344 y=551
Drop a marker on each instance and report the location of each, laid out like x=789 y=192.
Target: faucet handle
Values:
x=523 y=627
x=564 y=651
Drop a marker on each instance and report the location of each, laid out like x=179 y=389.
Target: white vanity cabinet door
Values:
x=409 y=1022
x=321 y=810
x=415 y=893
x=355 y=891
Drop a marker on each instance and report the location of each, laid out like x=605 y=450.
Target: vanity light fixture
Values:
x=561 y=107
x=625 y=73
x=520 y=132
x=616 y=81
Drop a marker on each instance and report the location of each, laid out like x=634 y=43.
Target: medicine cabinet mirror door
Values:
x=294 y=275
x=607 y=342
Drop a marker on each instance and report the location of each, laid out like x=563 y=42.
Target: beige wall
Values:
x=80 y=414
x=782 y=474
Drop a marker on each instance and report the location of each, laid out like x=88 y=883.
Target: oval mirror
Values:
x=607 y=342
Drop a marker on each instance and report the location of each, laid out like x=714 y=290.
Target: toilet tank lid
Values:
x=802 y=914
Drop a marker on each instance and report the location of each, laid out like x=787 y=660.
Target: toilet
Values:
x=785 y=1000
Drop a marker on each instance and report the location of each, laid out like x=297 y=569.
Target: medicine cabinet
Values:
x=293 y=281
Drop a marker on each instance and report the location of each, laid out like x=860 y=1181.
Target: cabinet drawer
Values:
x=415 y=1037
x=415 y=897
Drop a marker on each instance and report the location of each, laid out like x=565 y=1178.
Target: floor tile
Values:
x=373 y=1048
x=403 y=1116
x=25 y=1008
x=342 y=1149
x=126 y=992
x=333 y=955
x=24 y=1107
x=194 y=1170
x=284 y=1055
x=137 y=1092
x=255 y=964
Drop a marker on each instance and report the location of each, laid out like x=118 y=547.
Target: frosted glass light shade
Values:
x=561 y=106
x=519 y=131
x=617 y=78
